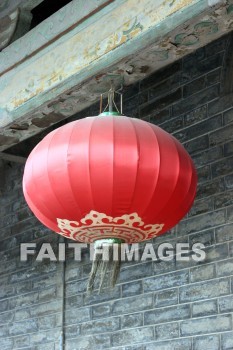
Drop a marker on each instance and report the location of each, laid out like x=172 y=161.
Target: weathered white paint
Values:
x=47 y=32
x=5 y=117
x=214 y=2
x=61 y=77
x=115 y=27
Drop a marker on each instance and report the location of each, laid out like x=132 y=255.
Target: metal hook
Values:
x=111 y=105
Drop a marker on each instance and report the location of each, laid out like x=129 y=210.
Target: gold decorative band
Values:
x=129 y=228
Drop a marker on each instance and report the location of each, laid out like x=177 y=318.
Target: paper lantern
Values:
x=110 y=177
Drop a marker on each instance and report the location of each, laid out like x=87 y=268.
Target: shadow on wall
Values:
x=2 y=176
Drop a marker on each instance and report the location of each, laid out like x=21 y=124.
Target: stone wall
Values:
x=155 y=305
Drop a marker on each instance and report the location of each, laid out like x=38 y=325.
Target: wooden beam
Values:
x=67 y=56
x=12 y=158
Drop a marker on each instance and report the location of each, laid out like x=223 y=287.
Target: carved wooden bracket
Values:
x=8 y=26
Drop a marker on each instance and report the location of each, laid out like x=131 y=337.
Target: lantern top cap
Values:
x=109 y=113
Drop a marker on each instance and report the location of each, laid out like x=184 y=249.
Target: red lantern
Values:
x=109 y=176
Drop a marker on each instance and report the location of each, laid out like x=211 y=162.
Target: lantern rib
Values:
x=47 y=208
x=123 y=187
x=67 y=169
x=113 y=164
x=89 y=166
x=175 y=186
x=150 y=130
x=156 y=182
x=49 y=179
x=138 y=163
x=187 y=206
x=192 y=185
x=41 y=216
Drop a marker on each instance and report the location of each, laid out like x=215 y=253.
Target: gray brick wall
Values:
x=155 y=305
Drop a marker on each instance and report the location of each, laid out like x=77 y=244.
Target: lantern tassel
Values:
x=106 y=264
